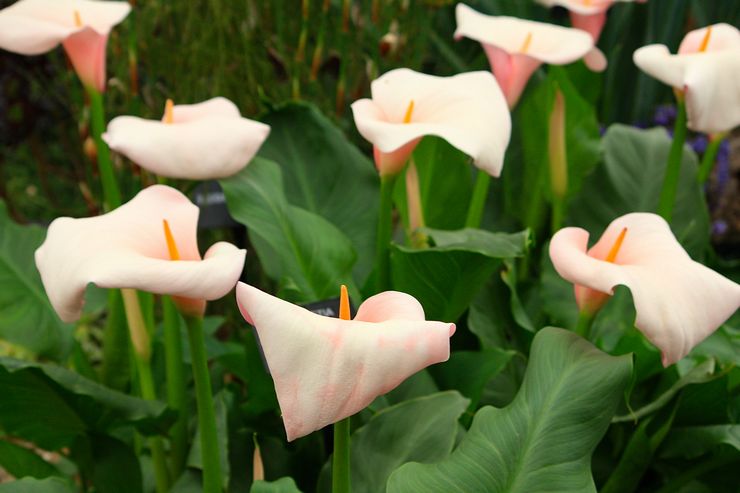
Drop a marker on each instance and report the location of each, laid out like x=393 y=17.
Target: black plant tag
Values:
x=214 y=214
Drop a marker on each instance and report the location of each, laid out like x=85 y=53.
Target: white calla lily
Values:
x=201 y=141
x=468 y=110
x=32 y=27
x=706 y=71
x=517 y=47
x=326 y=369
x=678 y=301
x=128 y=248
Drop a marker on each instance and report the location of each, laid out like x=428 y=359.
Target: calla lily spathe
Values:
x=127 y=248
x=517 y=47
x=201 y=141
x=326 y=369
x=588 y=15
x=706 y=70
x=678 y=302
x=468 y=110
x=32 y=27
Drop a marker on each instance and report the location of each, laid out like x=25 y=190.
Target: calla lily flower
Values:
x=134 y=247
x=468 y=110
x=706 y=70
x=32 y=27
x=201 y=141
x=589 y=15
x=678 y=302
x=517 y=47
x=326 y=369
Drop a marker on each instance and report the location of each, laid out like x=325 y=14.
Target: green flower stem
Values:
x=206 y=414
x=318 y=51
x=176 y=395
x=478 y=201
x=340 y=472
x=385 y=230
x=710 y=156
x=673 y=169
x=111 y=194
x=557 y=213
x=300 y=52
x=115 y=369
x=344 y=42
x=583 y=327
x=141 y=343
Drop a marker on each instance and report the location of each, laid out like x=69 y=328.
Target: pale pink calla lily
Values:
x=467 y=110
x=517 y=47
x=201 y=141
x=127 y=248
x=678 y=302
x=706 y=70
x=588 y=15
x=326 y=369
x=32 y=27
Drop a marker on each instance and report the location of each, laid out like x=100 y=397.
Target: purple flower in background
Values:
x=719 y=227
x=723 y=164
x=665 y=115
x=699 y=143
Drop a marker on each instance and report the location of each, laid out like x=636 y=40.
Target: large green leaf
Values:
x=26 y=316
x=544 y=439
x=421 y=429
x=630 y=180
x=692 y=441
x=446 y=277
x=469 y=371
x=307 y=254
x=326 y=174
x=282 y=485
x=31 y=485
x=52 y=406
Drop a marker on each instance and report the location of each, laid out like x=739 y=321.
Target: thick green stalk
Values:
x=141 y=343
x=557 y=160
x=557 y=213
x=176 y=395
x=385 y=230
x=340 y=475
x=478 y=201
x=673 y=169
x=710 y=156
x=111 y=194
x=415 y=208
x=210 y=459
x=583 y=327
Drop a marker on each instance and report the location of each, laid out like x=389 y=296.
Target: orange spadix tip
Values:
x=171 y=245
x=612 y=256
x=344 y=312
x=705 y=41
x=78 y=19
x=409 y=112
x=168 y=116
x=527 y=42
